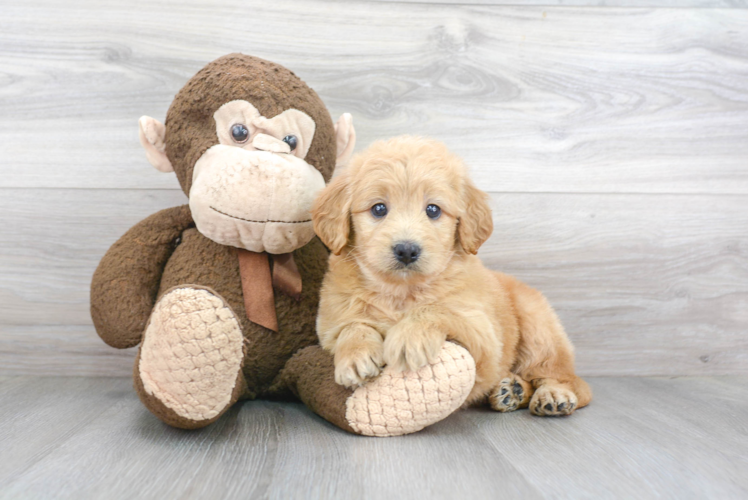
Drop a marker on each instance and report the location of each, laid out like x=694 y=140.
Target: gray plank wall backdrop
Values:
x=613 y=141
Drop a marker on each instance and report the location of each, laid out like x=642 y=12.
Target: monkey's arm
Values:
x=125 y=284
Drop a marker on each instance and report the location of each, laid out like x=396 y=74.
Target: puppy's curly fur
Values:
x=378 y=307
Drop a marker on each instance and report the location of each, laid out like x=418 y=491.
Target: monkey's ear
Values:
x=331 y=214
x=152 y=133
x=476 y=223
x=345 y=139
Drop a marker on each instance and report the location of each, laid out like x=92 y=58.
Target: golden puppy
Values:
x=404 y=223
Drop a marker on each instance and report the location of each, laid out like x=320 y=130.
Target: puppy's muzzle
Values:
x=406 y=252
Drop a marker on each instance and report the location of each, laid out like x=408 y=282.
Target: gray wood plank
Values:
x=641 y=437
x=61 y=350
x=258 y=450
x=645 y=284
x=127 y=453
x=40 y=414
x=440 y=462
x=536 y=99
x=53 y=241
x=650 y=285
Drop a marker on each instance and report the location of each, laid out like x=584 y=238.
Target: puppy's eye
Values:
x=379 y=210
x=239 y=132
x=433 y=211
x=292 y=141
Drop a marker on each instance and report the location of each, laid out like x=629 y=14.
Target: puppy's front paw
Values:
x=358 y=357
x=409 y=346
x=355 y=369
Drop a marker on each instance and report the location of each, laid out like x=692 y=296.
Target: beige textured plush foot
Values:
x=191 y=353
x=399 y=403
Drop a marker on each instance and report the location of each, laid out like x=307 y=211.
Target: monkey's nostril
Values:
x=407 y=252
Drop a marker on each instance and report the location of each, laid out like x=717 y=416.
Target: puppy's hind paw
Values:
x=553 y=400
x=511 y=394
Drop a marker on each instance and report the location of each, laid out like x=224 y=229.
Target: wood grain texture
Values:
x=61 y=350
x=645 y=284
x=53 y=242
x=39 y=415
x=536 y=99
x=613 y=140
x=641 y=437
x=632 y=441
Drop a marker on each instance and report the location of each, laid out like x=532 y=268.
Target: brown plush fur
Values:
x=309 y=374
x=271 y=88
x=375 y=311
x=165 y=250
x=126 y=282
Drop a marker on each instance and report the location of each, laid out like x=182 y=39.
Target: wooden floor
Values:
x=73 y=437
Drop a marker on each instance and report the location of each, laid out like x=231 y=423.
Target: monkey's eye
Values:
x=379 y=210
x=292 y=141
x=239 y=132
x=433 y=211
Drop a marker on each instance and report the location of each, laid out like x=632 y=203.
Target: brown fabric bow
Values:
x=257 y=284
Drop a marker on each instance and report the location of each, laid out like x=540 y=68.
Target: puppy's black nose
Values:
x=406 y=252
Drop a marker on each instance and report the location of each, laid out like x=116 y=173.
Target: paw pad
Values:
x=553 y=400
x=508 y=396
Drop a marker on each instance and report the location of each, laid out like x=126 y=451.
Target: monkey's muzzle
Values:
x=256 y=200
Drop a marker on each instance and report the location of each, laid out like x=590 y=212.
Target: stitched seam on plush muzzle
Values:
x=261 y=221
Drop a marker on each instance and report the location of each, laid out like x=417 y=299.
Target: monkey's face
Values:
x=254 y=189
x=251 y=145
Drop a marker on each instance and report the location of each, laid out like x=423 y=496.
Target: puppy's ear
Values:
x=331 y=214
x=476 y=223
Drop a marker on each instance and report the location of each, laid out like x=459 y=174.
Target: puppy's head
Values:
x=403 y=208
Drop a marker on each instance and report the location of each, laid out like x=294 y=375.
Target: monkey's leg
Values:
x=394 y=403
x=188 y=369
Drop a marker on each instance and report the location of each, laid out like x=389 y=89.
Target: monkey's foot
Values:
x=400 y=402
x=188 y=370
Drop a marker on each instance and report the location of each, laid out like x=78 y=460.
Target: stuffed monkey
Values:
x=221 y=294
